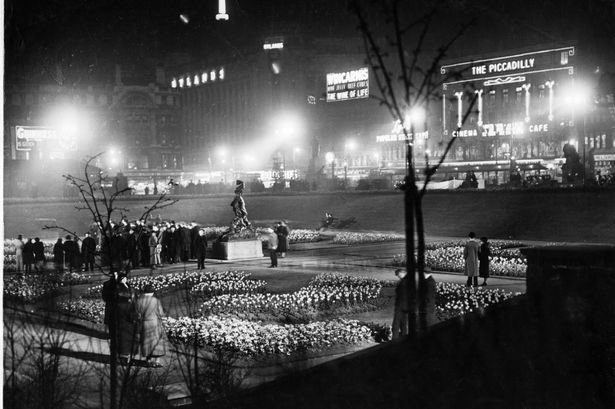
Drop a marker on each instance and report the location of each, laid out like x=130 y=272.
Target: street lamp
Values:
x=578 y=98
x=330 y=158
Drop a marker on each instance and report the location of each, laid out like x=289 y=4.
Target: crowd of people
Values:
x=127 y=245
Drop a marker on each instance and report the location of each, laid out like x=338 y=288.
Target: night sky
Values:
x=86 y=37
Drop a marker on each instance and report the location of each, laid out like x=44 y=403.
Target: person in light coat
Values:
x=470 y=255
x=150 y=313
x=18 y=242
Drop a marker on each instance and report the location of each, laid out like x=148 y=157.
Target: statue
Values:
x=240 y=221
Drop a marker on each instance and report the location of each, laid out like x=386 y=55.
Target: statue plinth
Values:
x=237 y=249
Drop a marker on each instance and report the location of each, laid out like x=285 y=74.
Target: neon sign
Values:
x=347 y=85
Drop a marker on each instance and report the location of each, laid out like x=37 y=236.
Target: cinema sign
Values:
x=556 y=59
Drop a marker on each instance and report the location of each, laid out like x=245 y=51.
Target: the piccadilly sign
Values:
x=556 y=59
x=342 y=86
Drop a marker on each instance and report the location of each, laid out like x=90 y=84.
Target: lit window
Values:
x=204 y=77
x=188 y=82
x=181 y=82
x=564 y=57
x=174 y=83
x=196 y=80
x=221 y=73
x=212 y=75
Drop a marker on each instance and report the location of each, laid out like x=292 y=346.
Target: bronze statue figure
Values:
x=240 y=221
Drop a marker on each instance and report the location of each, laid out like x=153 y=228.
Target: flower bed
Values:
x=303 y=236
x=218 y=287
x=455 y=299
x=255 y=338
x=505 y=260
x=190 y=279
x=32 y=287
x=323 y=292
x=85 y=309
x=359 y=238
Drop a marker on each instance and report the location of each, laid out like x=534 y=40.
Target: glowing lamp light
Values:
x=212 y=75
x=221 y=151
x=221 y=73
x=184 y=18
x=188 y=82
x=350 y=144
x=275 y=67
x=174 y=83
x=196 y=80
x=329 y=157
x=181 y=83
x=415 y=116
x=221 y=10
x=204 y=77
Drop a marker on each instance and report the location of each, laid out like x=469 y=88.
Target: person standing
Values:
x=58 y=255
x=201 y=249
x=185 y=242
x=126 y=317
x=272 y=243
x=151 y=334
x=470 y=255
x=39 y=255
x=153 y=244
x=28 y=255
x=132 y=249
x=88 y=252
x=18 y=243
x=400 y=324
x=484 y=252
x=69 y=253
x=282 y=232
x=109 y=296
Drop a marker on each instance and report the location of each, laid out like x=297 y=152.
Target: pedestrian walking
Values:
x=151 y=334
x=28 y=255
x=58 y=256
x=484 y=252
x=88 y=252
x=400 y=315
x=18 y=243
x=470 y=254
x=201 y=249
x=39 y=255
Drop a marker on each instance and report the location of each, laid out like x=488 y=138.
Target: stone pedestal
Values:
x=239 y=249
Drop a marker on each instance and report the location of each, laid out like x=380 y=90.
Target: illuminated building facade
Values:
x=139 y=123
x=527 y=106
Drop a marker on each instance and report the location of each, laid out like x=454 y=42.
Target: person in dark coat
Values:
x=171 y=245
x=282 y=232
x=88 y=252
x=28 y=255
x=132 y=249
x=70 y=253
x=126 y=319
x=151 y=333
x=484 y=252
x=118 y=252
x=39 y=255
x=201 y=249
x=144 y=246
x=109 y=296
x=194 y=235
x=58 y=256
x=400 y=316
x=185 y=242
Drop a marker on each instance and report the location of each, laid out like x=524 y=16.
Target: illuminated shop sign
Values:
x=342 y=86
x=273 y=43
x=504 y=129
x=526 y=63
x=199 y=78
x=401 y=137
x=27 y=137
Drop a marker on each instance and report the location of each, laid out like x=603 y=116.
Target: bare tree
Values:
x=102 y=203
x=407 y=75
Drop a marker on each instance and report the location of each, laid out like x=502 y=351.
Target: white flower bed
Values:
x=255 y=338
x=359 y=238
x=456 y=299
